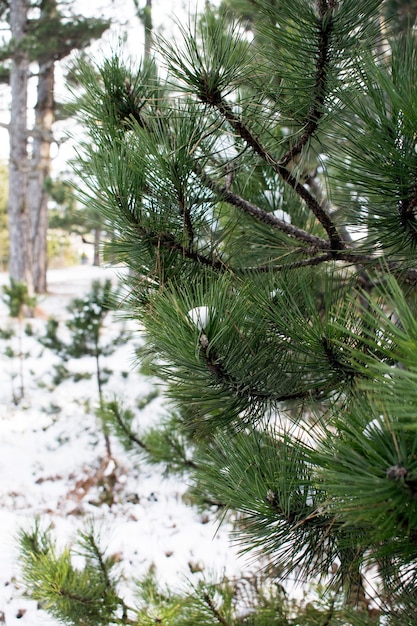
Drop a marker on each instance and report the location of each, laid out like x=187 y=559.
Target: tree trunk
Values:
x=147 y=21
x=97 y=243
x=20 y=254
x=40 y=164
x=39 y=173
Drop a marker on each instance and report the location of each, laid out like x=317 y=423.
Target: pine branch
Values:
x=310 y=262
x=263 y=216
x=346 y=254
x=87 y=602
x=64 y=593
x=90 y=540
x=209 y=601
x=169 y=241
x=330 y=613
x=316 y=111
x=243 y=388
x=214 y=99
x=409 y=275
x=179 y=451
x=406 y=211
x=409 y=207
x=131 y=436
x=185 y=213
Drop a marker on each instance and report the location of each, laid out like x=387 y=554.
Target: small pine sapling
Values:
x=20 y=304
x=90 y=592
x=73 y=595
x=86 y=338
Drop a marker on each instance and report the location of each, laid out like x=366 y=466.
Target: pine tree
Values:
x=264 y=195
x=4 y=240
x=42 y=33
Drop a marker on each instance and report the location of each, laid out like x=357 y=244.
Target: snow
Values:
x=52 y=451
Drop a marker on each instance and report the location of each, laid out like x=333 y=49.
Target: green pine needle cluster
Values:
x=87 y=593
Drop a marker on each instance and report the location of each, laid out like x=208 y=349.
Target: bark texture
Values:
x=40 y=166
x=20 y=255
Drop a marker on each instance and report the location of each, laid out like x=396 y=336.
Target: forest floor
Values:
x=53 y=463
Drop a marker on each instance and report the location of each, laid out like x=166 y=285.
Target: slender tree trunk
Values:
x=145 y=16
x=97 y=243
x=39 y=173
x=20 y=253
x=100 y=395
x=40 y=164
x=147 y=22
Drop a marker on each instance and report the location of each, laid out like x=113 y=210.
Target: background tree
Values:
x=402 y=13
x=4 y=238
x=20 y=257
x=264 y=199
x=43 y=34
x=145 y=15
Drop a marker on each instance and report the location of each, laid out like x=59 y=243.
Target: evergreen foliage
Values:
x=18 y=299
x=85 y=326
x=264 y=198
x=88 y=593
x=4 y=239
x=65 y=214
x=41 y=33
x=20 y=304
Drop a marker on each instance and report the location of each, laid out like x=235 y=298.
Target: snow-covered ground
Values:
x=51 y=454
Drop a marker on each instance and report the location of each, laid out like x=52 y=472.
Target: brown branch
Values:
x=239 y=388
x=185 y=214
x=322 y=7
x=61 y=591
x=126 y=430
x=335 y=240
x=347 y=254
x=316 y=110
x=260 y=214
x=214 y=98
x=367 y=260
x=294 y=264
x=187 y=221
x=411 y=204
x=168 y=240
x=209 y=601
x=187 y=461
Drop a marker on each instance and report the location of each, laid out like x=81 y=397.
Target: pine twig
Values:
x=168 y=240
x=126 y=430
x=316 y=110
x=187 y=462
x=335 y=240
x=407 y=208
x=209 y=601
x=263 y=216
x=239 y=388
x=315 y=260
x=102 y=564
